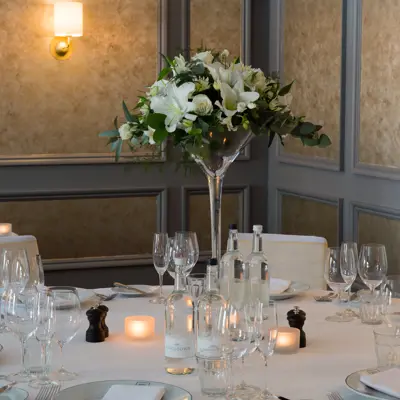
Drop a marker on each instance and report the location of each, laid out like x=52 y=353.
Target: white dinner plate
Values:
x=150 y=290
x=97 y=390
x=14 y=394
x=353 y=383
x=294 y=289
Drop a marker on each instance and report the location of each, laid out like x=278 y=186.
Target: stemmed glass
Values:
x=20 y=311
x=15 y=266
x=68 y=320
x=373 y=265
x=161 y=255
x=185 y=251
x=37 y=277
x=266 y=327
x=340 y=273
x=46 y=320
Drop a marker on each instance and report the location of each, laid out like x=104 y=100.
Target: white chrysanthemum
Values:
x=205 y=56
x=180 y=64
x=125 y=131
x=150 y=133
x=202 y=105
x=145 y=109
x=202 y=84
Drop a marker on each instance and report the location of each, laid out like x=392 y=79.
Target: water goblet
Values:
x=373 y=265
x=161 y=256
x=68 y=319
x=15 y=266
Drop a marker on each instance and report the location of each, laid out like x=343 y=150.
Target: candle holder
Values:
x=288 y=340
x=139 y=327
x=5 y=229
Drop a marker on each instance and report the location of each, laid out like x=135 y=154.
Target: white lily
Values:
x=174 y=105
x=180 y=64
x=149 y=133
x=158 y=88
x=205 y=56
x=235 y=99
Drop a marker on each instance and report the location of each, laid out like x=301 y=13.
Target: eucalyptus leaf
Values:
x=307 y=128
x=156 y=121
x=112 y=140
x=116 y=123
x=127 y=114
x=203 y=125
x=118 y=149
x=271 y=138
x=113 y=133
x=324 y=141
x=311 y=142
x=115 y=144
x=285 y=89
x=163 y=73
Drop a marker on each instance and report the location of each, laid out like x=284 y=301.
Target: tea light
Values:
x=189 y=323
x=139 y=327
x=288 y=341
x=5 y=229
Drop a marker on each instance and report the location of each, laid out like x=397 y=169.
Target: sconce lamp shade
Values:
x=68 y=19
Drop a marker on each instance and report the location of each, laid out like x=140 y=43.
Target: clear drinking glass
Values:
x=387 y=346
x=334 y=264
x=185 y=251
x=373 y=307
x=15 y=266
x=196 y=286
x=352 y=247
x=265 y=338
x=46 y=324
x=348 y=269
x=214 y=375
x=161 y=255
x=20 y=311
x=37 y=272
x=373 y=265
x=68 y=320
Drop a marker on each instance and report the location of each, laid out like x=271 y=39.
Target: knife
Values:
x=6 y=388
x=282 y=398
x=131 y=288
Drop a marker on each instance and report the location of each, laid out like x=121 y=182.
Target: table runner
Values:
x=334 y=350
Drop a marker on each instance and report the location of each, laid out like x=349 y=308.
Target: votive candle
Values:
x=139 y=327
x=288 y=340
x=5 y=229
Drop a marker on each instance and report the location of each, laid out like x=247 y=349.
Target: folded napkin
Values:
x=387 y=382
x=134 y=392
x=278 y=286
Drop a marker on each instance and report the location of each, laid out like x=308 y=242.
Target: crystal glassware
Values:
x=387 y=346
x=334 y=264
x=184 y=251
x=214 y=375
x=46 y=323
x=373 y=307
x=179 y=328
x=373 y=265
x=37 y=272
x=161 y=255
x=20 y=311
x=68 y=320
x=15 y=266
x=196 y=285
x=266 y=328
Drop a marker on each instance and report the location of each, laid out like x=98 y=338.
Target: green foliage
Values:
x=109 y=134
x=128 y=115
x=286 y=89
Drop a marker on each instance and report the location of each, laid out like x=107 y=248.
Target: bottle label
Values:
x=178 y=346
x=208 y=346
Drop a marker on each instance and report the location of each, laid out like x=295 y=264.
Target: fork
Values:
x=103 y=297
x=334 y=396
x=47 y=392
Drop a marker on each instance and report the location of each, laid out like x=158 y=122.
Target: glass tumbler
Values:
x=214 y=374
x=387 y=346
x=372 y=307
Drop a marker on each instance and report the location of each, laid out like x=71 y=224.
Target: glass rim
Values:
x=386 y=331
x=212 y=358
x=197 y=275
x=377 y=245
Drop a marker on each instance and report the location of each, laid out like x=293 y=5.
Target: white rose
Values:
x=125 y=132
x=202 y=105
x=150 y=133
x=259 y=81
x=205 y=56
x=225 y=54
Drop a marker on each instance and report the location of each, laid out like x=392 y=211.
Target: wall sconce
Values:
x=68 y=23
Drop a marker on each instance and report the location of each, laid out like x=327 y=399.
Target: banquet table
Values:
x=334 y=350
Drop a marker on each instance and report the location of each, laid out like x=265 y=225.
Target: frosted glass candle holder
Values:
x=5 y=229
x=288 y=341
x=139 y=327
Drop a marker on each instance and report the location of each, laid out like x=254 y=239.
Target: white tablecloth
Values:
x=334 y=350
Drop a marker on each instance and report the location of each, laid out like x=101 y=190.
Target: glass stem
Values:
x=242 y=383
x=62 y=355
x=44 y=347
x=215 y=192
x=160 y=276
x=23 y=353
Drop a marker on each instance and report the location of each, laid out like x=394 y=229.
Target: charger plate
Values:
x=97 y=390
x=353 y=383
x=14 y=394
x=294 y=289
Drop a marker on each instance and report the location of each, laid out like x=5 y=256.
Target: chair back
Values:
x=27 y=242
x=291 y=257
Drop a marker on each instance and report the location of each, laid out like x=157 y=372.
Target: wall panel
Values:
x=312 y=57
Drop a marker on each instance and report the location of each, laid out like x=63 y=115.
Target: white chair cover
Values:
x=27 y=242
x=291 y=257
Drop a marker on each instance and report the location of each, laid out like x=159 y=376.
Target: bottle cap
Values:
x=257 y=228
x=232 y=226
x=213 y=261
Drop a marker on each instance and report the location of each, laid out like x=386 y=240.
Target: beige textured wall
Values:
x=312 y=56
x=50 y=106
x=199 y=217
x=377 y=229
x=308 y=217
x=380 y=84
x=215 y=24
x=85 y=227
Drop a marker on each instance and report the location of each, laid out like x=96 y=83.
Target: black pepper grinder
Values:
x=104 y=308
x=95 y=332
x=296 y=318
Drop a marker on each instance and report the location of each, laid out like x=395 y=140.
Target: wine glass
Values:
x=161 y=255
x=185 y=250
x=20 y=311
x=266 y=328
x=68 y=320
x=15 y=266
x=348 y=268
x=196 y=286
x=373 y=265
x=37 y=272
x=353 y=247
x=46 y=320
x=334 y=265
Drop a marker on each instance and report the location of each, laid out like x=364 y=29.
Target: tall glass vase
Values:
x=214 y=159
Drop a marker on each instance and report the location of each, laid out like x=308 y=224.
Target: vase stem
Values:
x=215 y=192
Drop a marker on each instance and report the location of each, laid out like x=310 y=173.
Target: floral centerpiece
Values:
x=211 y=106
